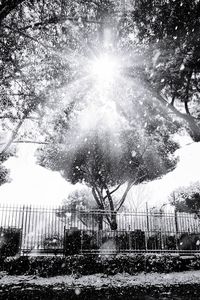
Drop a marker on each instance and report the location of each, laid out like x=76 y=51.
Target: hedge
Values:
x=9 y=241
x=91 y=264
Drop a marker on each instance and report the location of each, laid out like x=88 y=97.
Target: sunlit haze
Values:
x=105 y=68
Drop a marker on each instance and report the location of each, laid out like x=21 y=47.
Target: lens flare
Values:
x=104 y=68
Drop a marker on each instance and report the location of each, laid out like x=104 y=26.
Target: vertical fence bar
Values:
x=28 y=227
x=148 y=228
x=32 y=221
x=22 y=226
x=3 y=216
x=8 y=213
x=176 y=228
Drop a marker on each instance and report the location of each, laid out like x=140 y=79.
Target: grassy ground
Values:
x=181 y=285
x=101 y=280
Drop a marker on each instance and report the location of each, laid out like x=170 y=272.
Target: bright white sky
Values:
x=187 y=171
x=32 y=184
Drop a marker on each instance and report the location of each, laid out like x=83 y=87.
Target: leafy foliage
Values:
x=80 y=200
x=4 y=172
x=45 y=46
x=88 y=264
x=3 y=175
x=187 y=199
x=9 y=241
x=170 y=31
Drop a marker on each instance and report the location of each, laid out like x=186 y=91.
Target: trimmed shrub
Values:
x=131 y=240
x=89 y=240
x=189 y=241
x=72 y=242
x=170 y=242
x=9 y=241
x=91 y=264
x=154 y=242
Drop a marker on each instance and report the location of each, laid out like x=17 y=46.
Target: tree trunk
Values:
x=113 y=216
x=194 y=128
x=113 y=223
x=100 y=221
x=100 y=207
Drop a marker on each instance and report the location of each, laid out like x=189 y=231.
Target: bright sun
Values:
x=104 y=68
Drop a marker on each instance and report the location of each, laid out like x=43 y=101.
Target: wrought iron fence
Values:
x=62 y=230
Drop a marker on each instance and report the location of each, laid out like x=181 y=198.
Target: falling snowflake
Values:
x=133 y=153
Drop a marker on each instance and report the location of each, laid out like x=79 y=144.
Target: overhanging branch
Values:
x=190 y=120
x=28 y=142
x=60 y=19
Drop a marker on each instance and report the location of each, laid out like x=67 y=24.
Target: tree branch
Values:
x=13 y=135
x=109 y=197
x=132 y=182
x=190 y=120
x=186 y=100
x=16 y=130
x=18 y=118
x=60 y=19
x=129 y=186
x=113 y=191
x=97 y=198
x=29 y=37
x=173 y=100
x=186 y=107
x=28 y=142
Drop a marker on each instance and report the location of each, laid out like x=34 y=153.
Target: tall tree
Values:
x=107 y=156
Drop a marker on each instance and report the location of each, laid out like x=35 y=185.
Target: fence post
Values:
x=22 y=227
x=24 y=223
x=176 y=228
x=64 y=241
x=148 y=229
x=161 y=230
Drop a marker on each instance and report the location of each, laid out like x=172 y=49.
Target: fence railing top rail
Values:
x=66 y=209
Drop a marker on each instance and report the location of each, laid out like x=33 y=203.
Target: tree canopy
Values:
x=187 y=199
x=170 y=30
x=45 y=45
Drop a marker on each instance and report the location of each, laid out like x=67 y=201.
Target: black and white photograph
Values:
x=100 y=149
